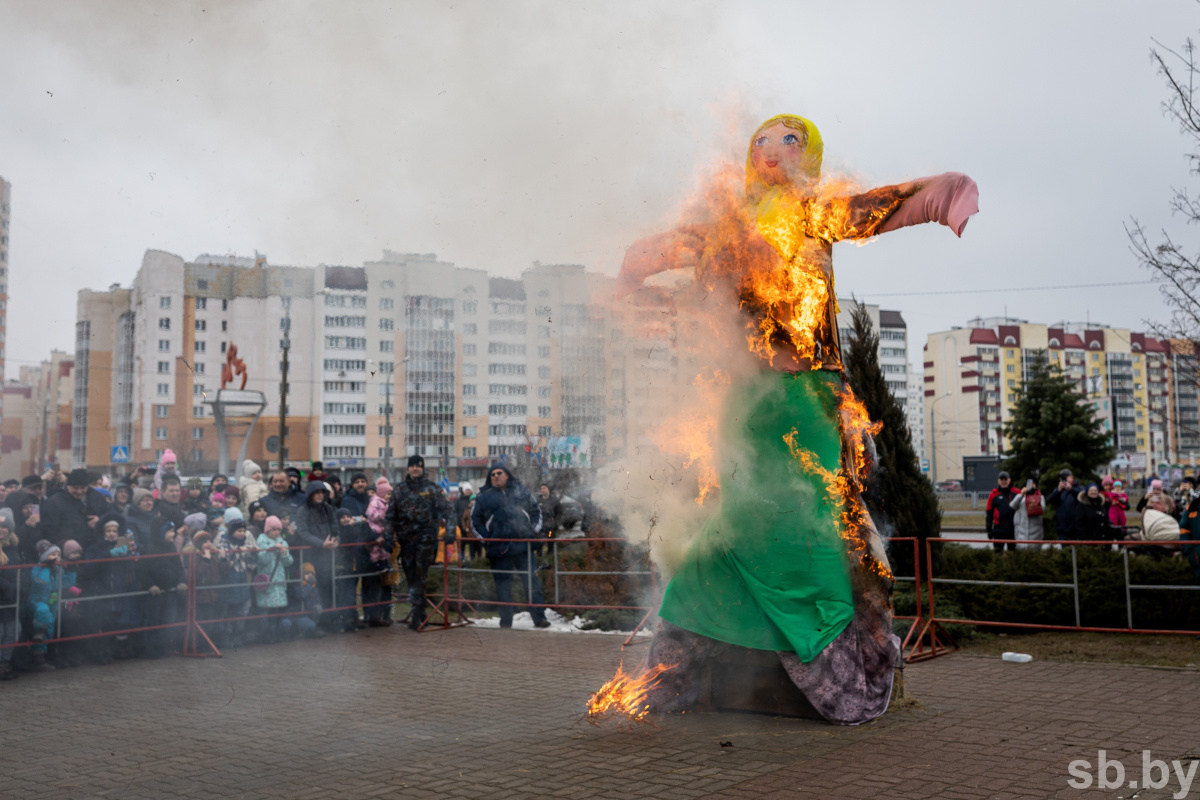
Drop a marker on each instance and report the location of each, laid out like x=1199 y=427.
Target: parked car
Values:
x=949 y=486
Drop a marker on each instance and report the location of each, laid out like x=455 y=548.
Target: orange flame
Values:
x=691 y=433
x=626 y=693
x=844 y=488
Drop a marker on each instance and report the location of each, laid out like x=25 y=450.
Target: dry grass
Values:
x=1154 y=651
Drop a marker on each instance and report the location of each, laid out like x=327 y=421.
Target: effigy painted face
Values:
x=778 y=154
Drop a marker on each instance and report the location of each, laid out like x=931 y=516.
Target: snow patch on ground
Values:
x=523 y=621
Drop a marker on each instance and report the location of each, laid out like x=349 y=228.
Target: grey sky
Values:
x=495 y=134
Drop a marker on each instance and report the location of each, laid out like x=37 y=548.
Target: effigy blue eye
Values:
x=760 y=141
x=791 y=138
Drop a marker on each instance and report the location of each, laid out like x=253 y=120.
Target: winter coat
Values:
x=9 y=579
x=113 y=572
x=417 y=510
x=460 y=507
x=283 y=505
x=208 y=573
x=251 y=489
x=240 y=563
x=1000 y=510
x=44 y=582
x=1159 y=527
x=274 y=564
x=1119 y=504
x=508 y=513
x=359 y=558
x=377 y=515
x=165 y=570
x=1065 y=504
x=1091 y=518
x=172 y=512
x=1025 y=527
x=27 y=535
x=551 y=511
x=63 y=518
x=144 y=525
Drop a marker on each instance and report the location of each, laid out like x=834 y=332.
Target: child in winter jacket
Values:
x=251 y=485
x=111 y=572
x=43 y=602
x=376 y=588
x=239 y=553
x=10 y=560
x=270 y=582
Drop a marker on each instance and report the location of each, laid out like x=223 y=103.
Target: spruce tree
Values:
x=897 y=493
x=1053 y=427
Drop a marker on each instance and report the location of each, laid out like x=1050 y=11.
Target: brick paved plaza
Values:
x=478 y=713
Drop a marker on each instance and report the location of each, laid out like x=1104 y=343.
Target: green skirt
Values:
x=768 y=569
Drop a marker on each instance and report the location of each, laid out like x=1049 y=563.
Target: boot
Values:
x=38 y=664
x=6 y=671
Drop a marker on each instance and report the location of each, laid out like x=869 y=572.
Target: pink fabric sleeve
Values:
x=950 y=198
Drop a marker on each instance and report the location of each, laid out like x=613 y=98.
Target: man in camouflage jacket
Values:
x=414 y=516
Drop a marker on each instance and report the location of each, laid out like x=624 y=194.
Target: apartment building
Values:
x=36 y=431
x=5 y=220
x=973 y=376
x=404 y=355
x=893 y=344
x=914 y=412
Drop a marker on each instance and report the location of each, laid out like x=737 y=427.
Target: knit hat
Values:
x=272 y=524
x=416 y=461
x=168 y=455
x=382 y=486
x=1156 y=485
x=249 y=468
x=140 y=494
x=79 y=477
x=466 y=486
x=196 y=522
x=232 y=491
x=201 y=537
x=255 y=507
x=195 y=483
x=310 y=569
x=30 y=481
x=218 y=497
x=344 y=512
x=358 y=476
x=234 y=526
x=232 y=513
x=6 y=519
x=71 y=548
x=45 y=550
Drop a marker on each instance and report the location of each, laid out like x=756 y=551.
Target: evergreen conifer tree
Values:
x=898 y=491
x=1052 y=428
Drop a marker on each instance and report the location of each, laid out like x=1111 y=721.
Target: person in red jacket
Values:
x=1000 y=512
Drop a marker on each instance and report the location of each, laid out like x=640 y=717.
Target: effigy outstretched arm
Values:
x=948 y=199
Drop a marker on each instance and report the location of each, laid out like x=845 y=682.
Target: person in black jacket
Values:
x=112 y=572
x=10 y=602
x=1064 y=501
x=1000 y=512
x=356 y=558
x=65 y=514
x=506 y=510
x=1091 y=516
x=415 y=515
x=25 y=505
x=317 y=528
x=161 y=575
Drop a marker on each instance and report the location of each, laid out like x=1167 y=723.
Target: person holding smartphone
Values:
x=1027 y=515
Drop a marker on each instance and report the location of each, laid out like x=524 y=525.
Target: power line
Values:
x=1010 y=289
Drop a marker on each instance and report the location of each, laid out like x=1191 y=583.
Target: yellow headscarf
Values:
x=813 y=148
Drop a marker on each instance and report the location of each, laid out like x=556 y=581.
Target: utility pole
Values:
x=387 y=427
x=286 y=344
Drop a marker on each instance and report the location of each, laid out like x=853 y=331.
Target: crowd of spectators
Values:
x=92 y=571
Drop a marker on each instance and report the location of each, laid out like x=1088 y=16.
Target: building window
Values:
x=197 y=411
x=387 y=324
x=197 y=433
x=1012 y=368
x=468 y=390
x=543 y=351
x=387 y=285
x=387 y=347
x=543 y=391
x=164 y=323
x=164 y=302
x=202 y=302
x=164 y=388
x=543 y=332
x=197 y=389
x=468 y=411
x=470 y=307
x=160 y=433
x=198 y=369
x=469 y=370
x=224 y=305
x=544 y=411
x=162 y=411
x=201 y=325
x=200 y=347
x=469 y=350
x=386 y=304
x=164 y=345
x=164 y=367
x=223 y=345
x=468 y=452
x=469 y=431
x=470 y=329
x=224 y=326
x=1012 y=383
x=543 y=430
x=544 y=373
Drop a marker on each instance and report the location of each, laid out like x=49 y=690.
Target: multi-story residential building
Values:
x=914 y=412
x=36 y=431
x=893 y=344
x=5 y=220
x=404 y=355
x=973 y=377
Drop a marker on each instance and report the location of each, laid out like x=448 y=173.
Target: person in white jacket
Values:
x=251 y=486
x=1027 y=517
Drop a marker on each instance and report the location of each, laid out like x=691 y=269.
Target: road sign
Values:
x=120 y=454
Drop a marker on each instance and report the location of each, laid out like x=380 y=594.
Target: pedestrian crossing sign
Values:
x=120 y=454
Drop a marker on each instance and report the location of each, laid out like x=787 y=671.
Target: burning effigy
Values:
x=785 y=567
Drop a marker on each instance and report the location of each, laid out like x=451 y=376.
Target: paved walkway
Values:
x=494 y=714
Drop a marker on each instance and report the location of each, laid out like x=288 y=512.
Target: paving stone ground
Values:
x=477 y=713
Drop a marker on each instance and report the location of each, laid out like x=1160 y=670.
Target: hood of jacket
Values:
x=512 y=479
x=312 y=488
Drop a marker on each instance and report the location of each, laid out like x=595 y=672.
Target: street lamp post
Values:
x=933 y=436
